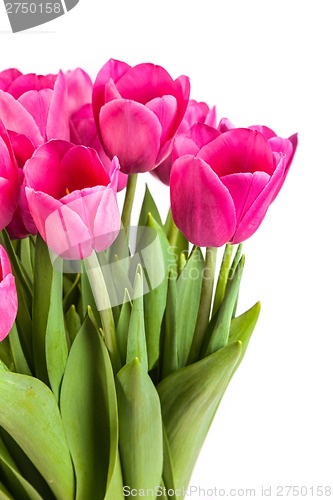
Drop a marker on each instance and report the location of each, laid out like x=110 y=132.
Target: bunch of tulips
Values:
x=118 y=332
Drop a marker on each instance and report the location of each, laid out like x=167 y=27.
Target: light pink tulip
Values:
x=9 y=182
x=72 y=199
x=221 y=193
x=196 y=112
x=138 y=111
x=8 y=296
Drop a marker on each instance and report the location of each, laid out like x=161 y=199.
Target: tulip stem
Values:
x=205 y=304
x=101 y=295
x=129 y=199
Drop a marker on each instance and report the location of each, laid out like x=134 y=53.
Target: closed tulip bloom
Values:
x=8 y=295
x=72 y=199
x=9 y=183
x=138 y=111
x=222 y=192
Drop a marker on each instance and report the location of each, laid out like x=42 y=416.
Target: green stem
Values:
x=102 y=299
x=205 y=304
x=129 y=199
x=223 y=277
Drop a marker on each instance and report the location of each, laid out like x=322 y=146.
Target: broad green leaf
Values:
x=170 y=350
x=20 y=362
x=242 y=328
x=188 y=300
x=73 y=323
x=115 y=487
x=6 y=354
x=140 y=428
x=168 y=472
x=220 y=334
x=71 y=296
x=26 y=257
x=136 y=342
x=19 y=486
x=178 y=242
x=4 y=493
x=41 y=305
x=55 y=339
x=223 y=277
x=149 y=207
x=157 y=259
x=87 y=295
x=123 y=326
x=29 y=413
x=89 y=412
x=189 y=399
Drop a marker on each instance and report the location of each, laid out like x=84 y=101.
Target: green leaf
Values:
x=18 y=356
x=136 y=342
x=140 y=428
x=242 y=328
x=223 y=277
x=178 y=242
x=149 y=207
x=72 y=293
x=188 y=300
x=157 y=260
x=19 y=486
x=89 y=412
x=55 y=339
x=189 y=399
x=73 y=323
x=29 y=413
x=123 y=326
x=170 y=351
x=115 y=487
x=87 y=295
x=4 y=493
x=168 y=472
x=6 y=354
x=220 y=334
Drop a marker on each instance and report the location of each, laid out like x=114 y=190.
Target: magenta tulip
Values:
x=9 y=183
x=196 y=112
x=138 y=111
x=7 y=77
x=72 y=199
x=222 y=192
x=8 y=295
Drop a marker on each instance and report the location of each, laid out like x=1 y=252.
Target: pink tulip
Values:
x=9 y=183
x=138 y=111
x=8 y=296
x=79 y=86
x=72 y=199
x=196 y=112
x=84 y=131
x=7 y=77
x=222 y=192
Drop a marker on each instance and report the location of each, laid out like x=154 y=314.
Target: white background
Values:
x=259 y=62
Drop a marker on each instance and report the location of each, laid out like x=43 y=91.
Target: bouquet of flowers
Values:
x=119 y=331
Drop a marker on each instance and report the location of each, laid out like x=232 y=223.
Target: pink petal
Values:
x=107 y=220
x=225 y=125
x=165 y=108
x=8 y=201
x=22 y=146
x=257 y=211
x=131 y=132
x=37 y=103
x=244 y=189
x=16 y=118
x=267 y=132
x=7 y=77
x=31 y=81
x=79 y=86
x=82 y=168
x=8 y=305
x=201 y=206
x=58 y=119
x=239 y=150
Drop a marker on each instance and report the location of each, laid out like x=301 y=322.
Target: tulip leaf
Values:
x=55 y=339
x=115 y=489
x=178 y=242
x=73 y=323
x=6 y=354
x=188 y=299
x=223 y=277
x=157 y=259
x=87 y=295
x=19 y=486
x=189 y=399
x=4 y=493
x=29 y=413
x=123 y=326
x=18 y=356
x=170 y=351
x=168 y=472
x=136 y=342
x=242 y=327
x=89 y=411
x=140 y=428
x=72 y=293
x=149 y=207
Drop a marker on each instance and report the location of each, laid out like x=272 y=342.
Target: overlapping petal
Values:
x=8 y=296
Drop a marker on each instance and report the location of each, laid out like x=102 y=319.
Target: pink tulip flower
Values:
x=7 y=77
x=72 y=199
x=221 y=193
x=138 y=111
x=196 y=112
x=9 y=183
x=8 y=296
x=79 y=87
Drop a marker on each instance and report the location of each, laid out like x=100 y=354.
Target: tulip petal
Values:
x=267 y=132
x=15 y=117
x=37 y=103
x=8 y=201
x=107 y=220
x=165 y=108
x=31 y=81
x=7 y=77
x=57 y=126
x=201 y=205
x=8 y=305
x=244 y=189
x=257 y=211
x=239 y=150
x=131 y=132
x=79 y=86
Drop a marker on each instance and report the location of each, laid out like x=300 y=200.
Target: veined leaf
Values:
x=149 y=207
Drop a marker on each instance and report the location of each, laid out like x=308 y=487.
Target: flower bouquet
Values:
x=119 y=331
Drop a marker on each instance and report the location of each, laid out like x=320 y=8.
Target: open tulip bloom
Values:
x=119 y=332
